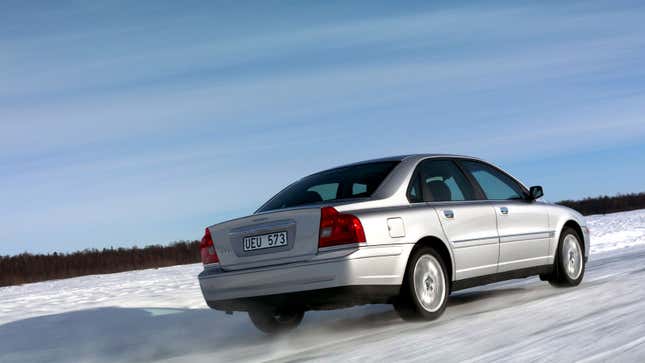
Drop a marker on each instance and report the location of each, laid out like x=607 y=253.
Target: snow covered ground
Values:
x=159 y=315
x=617 y=230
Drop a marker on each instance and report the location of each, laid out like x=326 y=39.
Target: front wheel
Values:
x=276 y=321
x=424 y=293
x=569 y=264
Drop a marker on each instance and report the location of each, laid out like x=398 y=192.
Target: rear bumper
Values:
x=321 y=299
x=341 y=278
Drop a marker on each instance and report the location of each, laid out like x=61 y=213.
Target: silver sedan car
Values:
x=405 y=230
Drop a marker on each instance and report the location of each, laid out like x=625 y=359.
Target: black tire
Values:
x=275 y=321
x=562 y=275
x=408 y=304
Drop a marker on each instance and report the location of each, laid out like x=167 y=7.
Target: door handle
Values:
x=504 y=210
x=448 y=213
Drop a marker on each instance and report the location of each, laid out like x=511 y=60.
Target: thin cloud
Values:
x=148 y=128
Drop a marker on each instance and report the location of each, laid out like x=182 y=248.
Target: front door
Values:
x=523 y=234
x=523 y=225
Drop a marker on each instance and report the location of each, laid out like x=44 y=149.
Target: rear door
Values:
x=523 y=225
x=468 y=222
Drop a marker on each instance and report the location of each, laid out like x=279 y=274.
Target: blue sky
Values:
x=127 y=123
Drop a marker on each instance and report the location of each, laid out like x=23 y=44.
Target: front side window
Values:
x=439 y=181
x=356 y=181
x=495 y=184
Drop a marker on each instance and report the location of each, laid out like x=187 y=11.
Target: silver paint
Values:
x=479 y=237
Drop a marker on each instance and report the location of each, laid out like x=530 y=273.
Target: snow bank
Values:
x=616 y=230
x=174 y=287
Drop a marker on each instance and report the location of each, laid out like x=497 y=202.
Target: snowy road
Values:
x=158 y=315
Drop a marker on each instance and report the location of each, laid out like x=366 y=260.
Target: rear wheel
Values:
x=425 y=289
x=276 y=321
x=569 y=264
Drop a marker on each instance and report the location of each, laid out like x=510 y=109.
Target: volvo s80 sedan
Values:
x=405 y=230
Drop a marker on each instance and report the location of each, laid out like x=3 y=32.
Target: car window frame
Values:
x=416 y=175
x=524 y=192
x=416 y=178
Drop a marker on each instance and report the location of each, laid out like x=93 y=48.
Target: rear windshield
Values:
x=357 y=181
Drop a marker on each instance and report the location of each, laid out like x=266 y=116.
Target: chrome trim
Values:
x=475 y=268
x=452 y=202
x=341 y=247
x=504 y=239
x=475 y=239
x=475 y=242
x=522 y=260
x=526 y=236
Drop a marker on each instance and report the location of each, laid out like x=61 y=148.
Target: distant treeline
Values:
x=27 y=267
x=606 y=204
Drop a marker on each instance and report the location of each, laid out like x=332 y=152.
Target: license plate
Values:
x=262 y=241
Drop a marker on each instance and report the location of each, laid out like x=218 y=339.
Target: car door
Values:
x=468 y=222
x=522 y=224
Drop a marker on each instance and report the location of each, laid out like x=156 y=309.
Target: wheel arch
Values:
x=442 y=248
x=576 y=227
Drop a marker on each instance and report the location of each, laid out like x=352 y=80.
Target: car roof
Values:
x=409 y=156
x=399 y=158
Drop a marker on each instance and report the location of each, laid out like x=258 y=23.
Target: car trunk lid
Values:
x=259 y=239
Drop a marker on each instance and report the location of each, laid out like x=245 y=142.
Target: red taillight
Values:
x=339 y=228
x=207 y=249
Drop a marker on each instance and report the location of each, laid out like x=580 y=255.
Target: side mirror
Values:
x=536 y=192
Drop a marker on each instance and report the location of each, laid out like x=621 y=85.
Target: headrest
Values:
x=439 y=191
x=311 y=197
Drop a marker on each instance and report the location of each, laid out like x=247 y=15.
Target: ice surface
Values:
x=159 y=315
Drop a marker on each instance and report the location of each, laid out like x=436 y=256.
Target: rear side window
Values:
x=495 y=184
x=357 y=181
x=439 y=181
x=325 y=191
